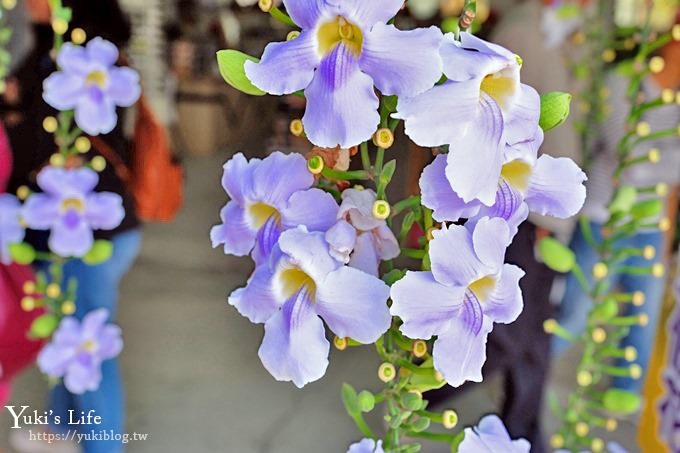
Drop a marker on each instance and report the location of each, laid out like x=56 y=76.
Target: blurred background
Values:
x=193 y=381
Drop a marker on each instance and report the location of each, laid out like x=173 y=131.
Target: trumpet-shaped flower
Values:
x=78 y=349
x=527 y=183
x=11 y=229
x=300 y=285
x=344 y=50
x=71 y=209
x=366 y=446
x=268 y=197
x=468 y=289
x=359 y=238
x=470 y=112
x=89 y=83
x=491 y=436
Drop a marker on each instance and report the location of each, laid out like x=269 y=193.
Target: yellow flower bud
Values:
x=638 y=298
x=29 y=288
x=265 y=5
x=654 y=156
x=667 y=96
x=78 y=36
x=340 y=343
x=60 y=26
x=57 y=160
x=449 y=419
x=675 y=32
x=23 y=192
x=630 y=353
x=28 y=303
x=658 y=270
x=315 y=165
x=292 y=35
x=9 y=4
x=83 y=145
x=581 y=429
x=643 y=319
x=557 y=441
x=419 y=348
x=383 y=138
x=649 y=252
x=50 y=124
x=599 y=335
x=53 y=291
x=297 y=128
x=600 y=271
x=611 y=424
x=665 y=224
x=381 y=209
x=549 y=326
x=661 y=189
x=597 y=445
x=635 y=371
x=608 y=55
x=68 y=308
x=98 y=163
x=643 y=129
x=387 y=372
x=584 y=378
x=656 y=64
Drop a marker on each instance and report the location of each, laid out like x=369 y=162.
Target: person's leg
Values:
x=98 y=288
x=575 y=305
x=642 y=337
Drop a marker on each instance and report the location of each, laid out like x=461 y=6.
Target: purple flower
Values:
x=470 y=113
x=344 y=50
x=490 y=436
x=268 y=197
x=468 y=289
x=359 y=238
x=366 y=446
x=78 y=349
x=89 y=82
x=292 y=292
x=11 y=229
x=545 y=185
x=71 y=210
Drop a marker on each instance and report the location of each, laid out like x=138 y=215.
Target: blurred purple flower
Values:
x=292 y=292
x=366 y=446
x=490 y=436
x=71 y=210
x=359 y=239
x=11 y=229
x=545 y=185
x=345 y=48
x=470 y=112
x=89 y=83
x=78 y=349
x=468 y=289
x=268 y=197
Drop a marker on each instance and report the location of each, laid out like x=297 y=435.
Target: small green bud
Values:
x=22 y=253
x=366 y=401
x=44 y=326
x=554 y=109
x=621 y=401
x=100 y=252
x=556 y=255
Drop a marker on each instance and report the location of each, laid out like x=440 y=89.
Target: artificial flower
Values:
x=71 y=209
x=346 y=48
x=470 y=111
x=78 y=349
x=359 y=238
x=269 y=196
x=11 y=229
x=300 y=285
x=491 y=436
x=89 y=83
x=366 y=446
x=468 y=289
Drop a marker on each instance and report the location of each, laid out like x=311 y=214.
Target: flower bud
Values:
x=9 y=4
x=643 y=129
x=387 y=372
x=654 y=155
x=53 y=291
x=665 y=224
x=381 y=209
x=98 y=163
x=657 y=64
x=638 y=298
x=315 y=165
x=78 y=36
x=449 y=419
x=611 y=424
x=60 y=26
x=297 y=128
x=50 y=124
x=658 y=270
x=630 y=353
x=649 y=252
x=555 y=108
x=68 y=308
x=292 y=35
x=265 y=5
x=584 y=378
x=419 y=348
x=29 y=288
x=675 y=32
x=600 y=271
x=23 y=192
x=667 y=96
x=557 y=441
x=608 y=55
x=581 y=429
x=57 y=160
x=383 y=138
x=599 y=335
x=340 y=343
x=28 y=303
x=83 y=145
x=597 y=445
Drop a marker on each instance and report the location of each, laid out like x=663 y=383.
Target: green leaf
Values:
x=390 y=103
x=420 y=425
x=647 y=208
x=43 y=326
x=554 y=109
x=388 y=172
x=624 y=199
x=351 y=400
x=366 y=401
x=556 y=255
x=22 y=253
x=100 y=252
x=393 y=276
x=425 y=382
x=450 y=25
x=621 y=401
x=231 y=64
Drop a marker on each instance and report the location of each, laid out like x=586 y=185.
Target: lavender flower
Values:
x=71 y=210
x=545 y=185
x=300 y=284
x=78 y=349
x=11 y=229
x=366 y=446
x=468 y=289
x=470 y=112
x=344 y=49
x=268 y=197
x=490 y=436
x=359 y=238
x=89 y=82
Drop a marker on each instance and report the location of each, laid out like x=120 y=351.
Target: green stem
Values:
x=345 y=175
x=282 y=17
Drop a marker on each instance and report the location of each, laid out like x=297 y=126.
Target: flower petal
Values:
x=234 y=233
x=93 y=323
x=441 y=115
x=285 y=67
x=368 y=13
x=341 y=103
x=505 y=302
x=95 y=114
x=314 y=208
x=354 y=304
x=472 y=59
x=59 y=181
x=455 y=269
x=425 y=305
x=40 y=211
x=294 y=347
x=357 y=207
x=365 y=257
x=490 y=239
x=437 y=194
x=124 y=88
x=341 y=237
x=80 y=378
x=305 y=13
x=459 y=354
x=476 y=158
x=276 y=178
x=402 y=63
x=71 y=241
x=387 y=244
x=74 y=60
x=256 y=301
x=523 y=116
x=104 y=210
x=237 y=177
x=110 y=342
x=366 y=446
x=556 y=187
x=310 y=252
x=102 y=51
x=62 y=90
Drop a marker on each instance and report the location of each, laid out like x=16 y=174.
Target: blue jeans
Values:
x=576 y=304
x=98 y=288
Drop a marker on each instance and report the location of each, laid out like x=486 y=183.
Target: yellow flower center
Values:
x=501 y=86
x=292 y=280
x=73 y=203
x=96 y=78
x=89 y=346
x=259 y=213
x=517 y=173
x=483 y=287
x=337 y=31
